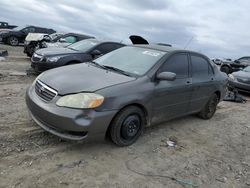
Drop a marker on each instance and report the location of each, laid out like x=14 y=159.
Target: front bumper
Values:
x=240 y=86
x=42 y=65
x=72 y=124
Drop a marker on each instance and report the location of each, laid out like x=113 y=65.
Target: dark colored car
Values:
x=18 y=34
x=241 y=80
x=82 y=51
x=236 y=65
x=60 y=40
x=124 y=91
x=5 y=25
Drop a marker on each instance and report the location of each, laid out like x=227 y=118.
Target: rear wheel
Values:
x=127 y=126
x=13 y=41
x=210 y=108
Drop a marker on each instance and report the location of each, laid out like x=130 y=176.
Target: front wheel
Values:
x=127 y=126
x=13 y=41
x=210 y=108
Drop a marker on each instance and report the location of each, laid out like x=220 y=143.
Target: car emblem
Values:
x=41 y=89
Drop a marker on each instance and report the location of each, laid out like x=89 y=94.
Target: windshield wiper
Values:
x=71 y=48
x=117 y=70
x=98 y=65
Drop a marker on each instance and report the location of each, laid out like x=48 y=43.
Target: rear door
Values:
x=202 y=81
x=171 y=98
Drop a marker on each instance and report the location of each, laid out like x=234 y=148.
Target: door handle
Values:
x=188 y=82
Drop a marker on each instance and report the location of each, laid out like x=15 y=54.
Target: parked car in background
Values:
x=236 y=65
x=18 y=34
x=241 y=79
x=5 y=25
x=220 y=61
x=33 y=41
x=82 y=51
x=123 y=91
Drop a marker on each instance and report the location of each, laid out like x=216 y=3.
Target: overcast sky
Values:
x=217 y=28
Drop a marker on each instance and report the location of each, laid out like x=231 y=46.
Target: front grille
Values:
x=37 y=57
x=44 y=91
x=244 y=80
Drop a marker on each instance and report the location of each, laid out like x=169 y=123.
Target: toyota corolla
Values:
x=122 y=92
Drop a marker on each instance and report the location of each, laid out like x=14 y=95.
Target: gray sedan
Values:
x=122 y=92
x=241 y=80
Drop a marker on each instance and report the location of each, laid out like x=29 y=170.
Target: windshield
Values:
x=55 y=35
x=19 y=28
x=83 y=45
x=134 y=60
x=247 y=69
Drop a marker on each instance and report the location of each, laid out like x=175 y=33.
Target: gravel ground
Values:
x=209 y=153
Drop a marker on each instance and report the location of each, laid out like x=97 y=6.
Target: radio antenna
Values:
x=190 y=40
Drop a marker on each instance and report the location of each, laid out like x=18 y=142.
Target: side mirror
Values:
x=169 y=76
x=62 y=40
x=96 y=53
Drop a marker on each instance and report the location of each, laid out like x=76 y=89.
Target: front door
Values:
x=171 y=98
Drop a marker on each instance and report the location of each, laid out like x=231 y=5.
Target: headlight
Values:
x=53 y=59
x=81 y=100
x=231 y=77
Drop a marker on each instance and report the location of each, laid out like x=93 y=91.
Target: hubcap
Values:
x=14 y=41
x=130 y=127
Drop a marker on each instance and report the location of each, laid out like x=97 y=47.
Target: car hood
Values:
x=55 y=51
x=35 y=37
x=81 y=78
x=241 y=74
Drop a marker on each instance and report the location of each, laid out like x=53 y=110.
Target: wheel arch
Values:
x=218 y=93
x=142 y=107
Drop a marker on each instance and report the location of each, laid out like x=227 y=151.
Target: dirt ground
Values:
x=210 y=153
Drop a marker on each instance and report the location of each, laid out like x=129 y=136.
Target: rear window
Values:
x=200 y=66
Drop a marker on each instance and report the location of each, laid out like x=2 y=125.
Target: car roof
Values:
x=103 y=41
x=166 y=48
x=78 y=35
x=158 y=47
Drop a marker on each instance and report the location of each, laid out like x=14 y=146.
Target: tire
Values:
x=13 y=41
x=225 y=69
x=127 y=126
x=210 y=108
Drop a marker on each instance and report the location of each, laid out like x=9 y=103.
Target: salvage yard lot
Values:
x=212 y=153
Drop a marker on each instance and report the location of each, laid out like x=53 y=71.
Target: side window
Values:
x=177 y=64
x=70 y=39
x=29 y=30
x=106 y=48
x=199 y=66
x=32 y=29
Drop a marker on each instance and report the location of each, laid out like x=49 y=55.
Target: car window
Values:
x=83 y=45
x=29 y=30
x=134 y=60
x=106 y=47
x=70 y=39
x=200 y=66
x=178 y=64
